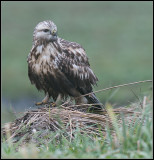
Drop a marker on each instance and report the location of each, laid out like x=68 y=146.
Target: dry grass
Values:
x=66 y=119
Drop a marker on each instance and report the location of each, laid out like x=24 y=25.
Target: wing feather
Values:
x=75 y=65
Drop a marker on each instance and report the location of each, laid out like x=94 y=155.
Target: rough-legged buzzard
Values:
x=58 y=67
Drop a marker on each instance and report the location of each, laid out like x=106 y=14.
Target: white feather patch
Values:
x=39 y=49
x=37 y=68
x=75 y=69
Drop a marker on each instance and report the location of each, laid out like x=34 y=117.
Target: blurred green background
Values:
x=117 y=37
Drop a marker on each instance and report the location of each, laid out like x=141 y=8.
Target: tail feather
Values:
x=93 y=100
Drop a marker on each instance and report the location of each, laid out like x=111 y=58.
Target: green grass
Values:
x=117 y=37
x=134 y=141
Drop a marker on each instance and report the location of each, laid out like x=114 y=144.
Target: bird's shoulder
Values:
x=73 y=51
x=66 y=43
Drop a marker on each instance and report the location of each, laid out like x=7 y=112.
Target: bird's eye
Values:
x=45 y=30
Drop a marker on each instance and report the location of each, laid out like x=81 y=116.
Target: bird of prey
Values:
x=59 y=67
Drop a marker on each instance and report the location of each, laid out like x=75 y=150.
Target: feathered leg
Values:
x=58 y=100
x=81 y=100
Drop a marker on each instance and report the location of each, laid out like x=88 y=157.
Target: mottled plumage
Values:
x=59 y=67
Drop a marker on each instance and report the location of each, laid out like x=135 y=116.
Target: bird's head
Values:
x=45 y=31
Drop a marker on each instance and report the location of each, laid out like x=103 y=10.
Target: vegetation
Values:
x=128 y=141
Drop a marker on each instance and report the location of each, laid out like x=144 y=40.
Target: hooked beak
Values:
x=54 y=36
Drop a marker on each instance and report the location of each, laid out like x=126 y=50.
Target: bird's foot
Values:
x=42 y=103
x=53 y=104
x=39 y=103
